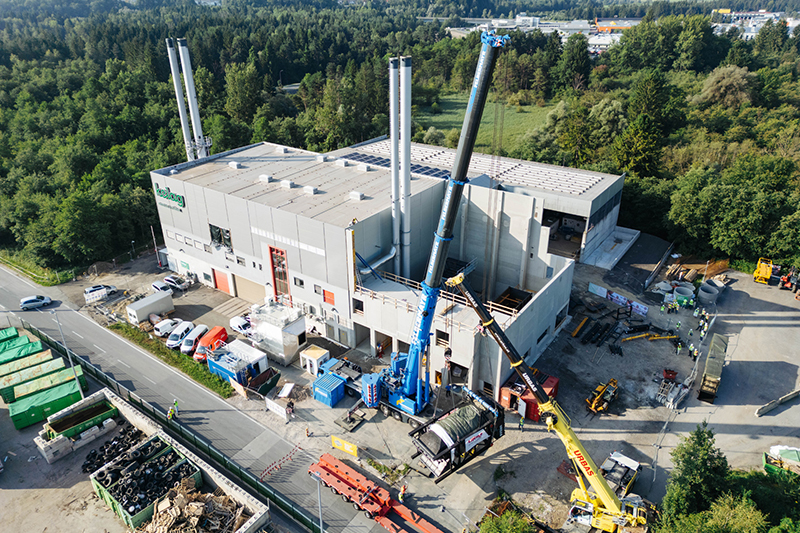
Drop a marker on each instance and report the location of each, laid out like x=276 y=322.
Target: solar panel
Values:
x=387 y=163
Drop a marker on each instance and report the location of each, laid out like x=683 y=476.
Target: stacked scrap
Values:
x=187 y=510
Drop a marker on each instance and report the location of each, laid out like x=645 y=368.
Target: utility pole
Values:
x=69 y=354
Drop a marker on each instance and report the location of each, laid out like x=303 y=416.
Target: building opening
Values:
x=280 y=274
x=565 y=233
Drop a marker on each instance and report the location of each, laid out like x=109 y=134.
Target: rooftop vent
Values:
x=363 y=167
x=173 y=171
x=341 y=162
x=287 y=184
x=281 y=150
x=322 y=158
x=309 y=190
x=356 y=196
x=234 y=164
x=265 y=178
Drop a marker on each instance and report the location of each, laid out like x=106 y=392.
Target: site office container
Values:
x=20 y=351
x=48 y=382
x=38 y=407
x=25 y=362
x=7 y=383
x=158 y=303
x=329 y=389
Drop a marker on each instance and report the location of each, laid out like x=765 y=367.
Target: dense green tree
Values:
x=729 y=85
x=573 y=66
x=243 y=91
x=508 y=522
x=652 y=95
x=637 y=149
x=694 y=43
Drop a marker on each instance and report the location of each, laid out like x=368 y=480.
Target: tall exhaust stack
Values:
x=405 y=162
x=191 y=96
x=176 y=82
x=394 y=134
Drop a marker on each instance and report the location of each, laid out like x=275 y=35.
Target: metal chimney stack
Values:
x=200 y=142
x=405 y=162
x=176 y=82
x=394 y=134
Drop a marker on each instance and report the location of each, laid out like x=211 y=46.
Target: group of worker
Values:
x=694 y=353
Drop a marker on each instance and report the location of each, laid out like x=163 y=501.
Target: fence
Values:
x=223 y=462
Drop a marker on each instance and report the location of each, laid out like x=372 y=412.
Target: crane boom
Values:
x=412 y=384
x=608 y=510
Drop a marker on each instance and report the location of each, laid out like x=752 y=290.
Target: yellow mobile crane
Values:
x=599 y=507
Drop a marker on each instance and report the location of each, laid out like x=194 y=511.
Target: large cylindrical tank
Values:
x=683 y=295
x=707 y=294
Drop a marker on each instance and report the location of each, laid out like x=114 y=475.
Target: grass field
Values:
x=515 y=123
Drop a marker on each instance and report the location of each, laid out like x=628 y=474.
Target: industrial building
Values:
x=316 y=231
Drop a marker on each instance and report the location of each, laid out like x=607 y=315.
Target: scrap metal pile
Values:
x=186 y=510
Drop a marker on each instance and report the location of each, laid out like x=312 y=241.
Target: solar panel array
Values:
x=547 y=177
x=386 y=163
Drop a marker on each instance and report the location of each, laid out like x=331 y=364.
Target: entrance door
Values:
x=221 y=281
x=280 y=273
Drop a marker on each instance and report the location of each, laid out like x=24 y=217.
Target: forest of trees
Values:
x=706 y=126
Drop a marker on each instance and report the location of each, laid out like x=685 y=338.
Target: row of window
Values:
x=327 y=296
x=189 y=241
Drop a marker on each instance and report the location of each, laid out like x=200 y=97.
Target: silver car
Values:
x=32 y=302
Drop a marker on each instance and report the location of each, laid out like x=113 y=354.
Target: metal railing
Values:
x=218 y=458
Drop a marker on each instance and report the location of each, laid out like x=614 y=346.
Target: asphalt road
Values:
x=248 y=442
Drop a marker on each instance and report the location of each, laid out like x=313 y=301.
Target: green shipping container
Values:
x=7 y=383
x=25 y=362
x=14 y=343
x=21 y=351
x=38 y=407
x=8 y=333
x=48 y=382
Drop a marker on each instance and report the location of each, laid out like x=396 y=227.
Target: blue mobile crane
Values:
x=405 y=390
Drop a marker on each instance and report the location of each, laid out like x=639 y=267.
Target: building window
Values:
x=328 y=297
x=317 y=289
x=358 y=307
x=229 y=257
x=170 y=234
x=207 y=277
x=442 y=339
x=241 y=261
x=280 y=271
x=259 y=266
x=220 y=236
x=488 y=389
x=541 y=337
x=179 y=237
x=188 y=240
x=198 y=245
x=549 y=273
x=207 y=248
x=299 y=283
x=254 y=264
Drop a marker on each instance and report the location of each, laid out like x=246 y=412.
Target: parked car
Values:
x=32 y=302
x=110 y=289
x=165 y=327
x=210 y=342
x=178 y=334
x=241 y=325
x=177 y=282
x=191 y=340
x=160 y=286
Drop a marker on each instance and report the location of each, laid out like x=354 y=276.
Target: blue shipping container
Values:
x=329 y=389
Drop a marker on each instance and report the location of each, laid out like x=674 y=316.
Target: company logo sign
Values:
x=169 y=195
x=582 y=461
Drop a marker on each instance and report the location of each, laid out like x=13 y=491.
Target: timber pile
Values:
x=186 y=510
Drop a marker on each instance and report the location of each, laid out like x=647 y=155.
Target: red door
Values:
x=221 y=281
x=280 y=273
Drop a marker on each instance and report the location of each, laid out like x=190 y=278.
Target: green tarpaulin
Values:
x=8 y=333
x=46 y=382
x=38 y=407
x=20 y=351
x=7 y=383
x=13 y=343
x=25 y=362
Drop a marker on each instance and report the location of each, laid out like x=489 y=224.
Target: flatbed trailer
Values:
x=366 y=495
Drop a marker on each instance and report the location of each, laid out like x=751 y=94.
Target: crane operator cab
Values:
x=636 y=513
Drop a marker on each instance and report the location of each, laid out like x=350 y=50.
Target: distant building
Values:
x=615 y=25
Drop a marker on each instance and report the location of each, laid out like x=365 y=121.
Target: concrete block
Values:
x=91 y=432
x=109 y=422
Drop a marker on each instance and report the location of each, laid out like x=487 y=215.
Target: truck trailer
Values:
x=158 y=303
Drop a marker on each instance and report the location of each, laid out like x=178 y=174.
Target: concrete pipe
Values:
x=685 y=285
x=717 y=284
x=707 y=294
x=683 y=295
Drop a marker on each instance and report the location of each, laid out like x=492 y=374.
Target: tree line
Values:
x=705 y=125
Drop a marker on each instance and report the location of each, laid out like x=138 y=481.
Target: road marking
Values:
x=54 y=320
x=123 y=363
x=78 y=335
x=177 y=398
x=3 y=306
x=23 y=280
x=99 y=348
x=150 y=380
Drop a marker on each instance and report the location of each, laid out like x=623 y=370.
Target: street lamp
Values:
x=133 y=250
x=69 y=354
x=319 y=499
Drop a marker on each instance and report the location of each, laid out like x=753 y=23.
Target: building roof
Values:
x=331 y=204
x=437 y=162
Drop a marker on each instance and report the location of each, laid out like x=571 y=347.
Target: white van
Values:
x=179 y=333
x=165 y=327
x=193 y=339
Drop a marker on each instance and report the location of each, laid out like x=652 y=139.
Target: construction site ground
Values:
x=762 y=325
